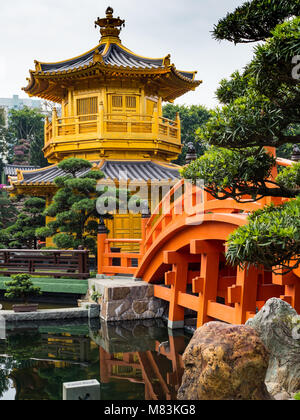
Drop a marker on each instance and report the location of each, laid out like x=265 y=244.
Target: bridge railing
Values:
x=173 y=203
x=172 y=209
x=119 y=262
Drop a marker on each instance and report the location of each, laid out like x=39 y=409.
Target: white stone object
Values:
x=81 y=391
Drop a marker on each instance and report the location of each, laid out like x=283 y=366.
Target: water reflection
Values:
x=132 y=360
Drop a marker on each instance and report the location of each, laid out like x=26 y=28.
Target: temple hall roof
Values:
x=11 y=170
x=113 y=170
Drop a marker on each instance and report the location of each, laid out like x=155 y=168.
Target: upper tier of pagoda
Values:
x=110 y=60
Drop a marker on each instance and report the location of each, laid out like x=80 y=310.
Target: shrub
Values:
x=21 y=287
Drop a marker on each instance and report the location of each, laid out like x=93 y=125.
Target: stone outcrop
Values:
x=278 y=326
x=225 y=362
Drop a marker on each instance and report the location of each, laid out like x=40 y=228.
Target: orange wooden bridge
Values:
x=162 y=380
x=183 y=255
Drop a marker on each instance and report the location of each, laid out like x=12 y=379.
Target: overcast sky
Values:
x=54 y=30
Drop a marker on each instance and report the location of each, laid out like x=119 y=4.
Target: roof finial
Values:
x=110 y=26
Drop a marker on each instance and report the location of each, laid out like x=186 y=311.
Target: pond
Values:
x=132 y=360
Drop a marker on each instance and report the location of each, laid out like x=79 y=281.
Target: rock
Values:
x=282 y=396
x=120 y=310
x=140 y=307
x=119 y=293
x=225 y=362
x=278 y=326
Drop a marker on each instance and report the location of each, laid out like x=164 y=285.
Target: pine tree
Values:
x=260 y=109
x=22 y=233
x=8 y=211
x=74 y=206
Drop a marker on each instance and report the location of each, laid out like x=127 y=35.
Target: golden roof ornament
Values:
x=110 y=26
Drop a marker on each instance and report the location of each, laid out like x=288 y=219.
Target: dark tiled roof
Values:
x=188 y=75
x=11 y=170
x=115 y=56
x=133 y=170
x=46 y=175
x=139 y=171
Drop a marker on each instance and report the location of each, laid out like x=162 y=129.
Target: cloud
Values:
x=54 y=30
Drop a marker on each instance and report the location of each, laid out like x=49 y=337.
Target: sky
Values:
x=55 y=30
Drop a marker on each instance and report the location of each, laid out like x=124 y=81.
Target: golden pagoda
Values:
x=111 y=114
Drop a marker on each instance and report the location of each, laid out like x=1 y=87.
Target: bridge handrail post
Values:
x=101 y=241
x=145 y=220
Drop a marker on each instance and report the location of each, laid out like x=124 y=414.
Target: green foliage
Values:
x=290 y=178
x=255 y=20
x=22 y=233
x=262 y=104
x=74 y=166
x=232 y=89
x=8 y=211
x=271 y=238
x=260 y=108
x=23 y=346
x=3 y=144
x=4 y=380
x=21 y=287
x=74 y=206
x=248 y=121
x=230 y=173
x=192 y=118
x=272 y=65
x=2 y=117
x=95 y=296
x=27 y=125
x=297 y=397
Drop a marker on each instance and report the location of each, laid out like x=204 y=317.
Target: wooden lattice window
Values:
x=131 y=102
x=87 y=108
x=117 y=102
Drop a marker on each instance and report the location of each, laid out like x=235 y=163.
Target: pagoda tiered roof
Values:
x=109 y=59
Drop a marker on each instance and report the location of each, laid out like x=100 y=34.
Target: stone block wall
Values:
x=127 y=300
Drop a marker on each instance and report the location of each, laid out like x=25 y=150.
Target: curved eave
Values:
x=43 y=84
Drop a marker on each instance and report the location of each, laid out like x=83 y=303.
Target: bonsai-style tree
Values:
x=21 y=287
x=74 y=206
x=8 y=211
x=260 y=111
x=22 y=233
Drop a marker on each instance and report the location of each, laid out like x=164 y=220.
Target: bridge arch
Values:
x=178 y=236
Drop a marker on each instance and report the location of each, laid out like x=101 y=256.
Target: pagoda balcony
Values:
x=144 y=132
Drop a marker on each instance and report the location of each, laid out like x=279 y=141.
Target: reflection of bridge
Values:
x=161 y=370
x=183 y=255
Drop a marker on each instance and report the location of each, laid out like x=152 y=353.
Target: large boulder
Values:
x=278 y=326
x=225 y=362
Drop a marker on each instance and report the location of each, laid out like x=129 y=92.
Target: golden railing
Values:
x=110 y=125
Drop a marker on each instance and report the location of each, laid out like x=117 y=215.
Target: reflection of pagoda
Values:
x=111 y=102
